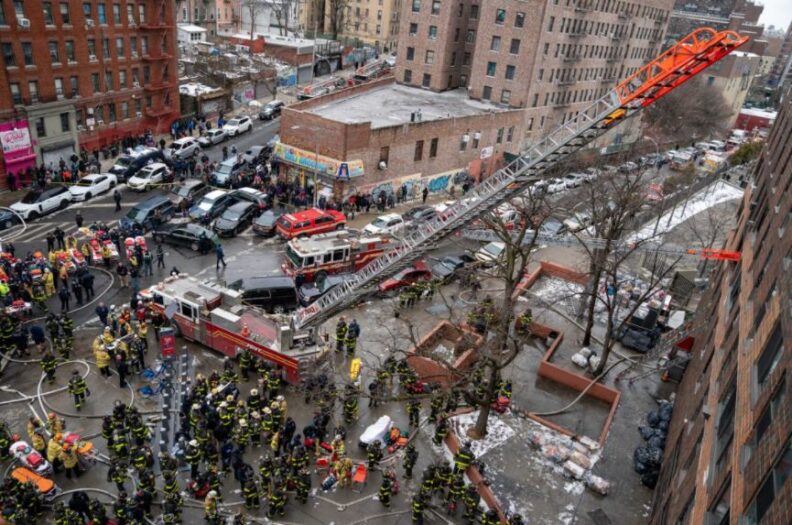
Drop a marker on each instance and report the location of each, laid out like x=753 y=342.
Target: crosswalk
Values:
x=38 y=231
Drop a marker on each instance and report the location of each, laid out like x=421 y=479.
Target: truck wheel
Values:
x=320 y=276
x=194 y=246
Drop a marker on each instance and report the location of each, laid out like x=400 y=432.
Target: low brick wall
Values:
x=433 y=371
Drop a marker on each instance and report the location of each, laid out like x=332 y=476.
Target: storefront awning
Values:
x=327 y=166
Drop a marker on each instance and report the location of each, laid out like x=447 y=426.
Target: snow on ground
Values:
x=498 y=432
x=555 y=291
x=443 y=354
x=710 y=196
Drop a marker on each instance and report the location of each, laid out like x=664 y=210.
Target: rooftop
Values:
x=756 y=112
x=392 y=105
x=192 y=28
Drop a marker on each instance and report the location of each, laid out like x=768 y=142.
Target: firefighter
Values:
x=456 y=492
x=250 y=492
x=120 y=443
x=385 y=491
x=266 y=423
x=341 y=333
x=120 y=508
x=273 y=384
x=140 y=431
x=276 y=502
x=138 y=458
x=410 y=458
x=516 y=519
x=211 y=515
x=254 y=400
x=471 y=499
x=441 y=431
x=444 y=477
x=229 y=375
x=68 y=456
x=78 y=389
x=265 y=471
x=215 y=483
x=242 y=435
x=5 y=440
x=192 y=456
x=170 y=484
x=489 y=517
x=352 y=334
x=418 y=506
x=173 y=506
x=147 y=481
x=303 y=482
x=245 y=363
x=277 y=415
x=350 y=404
x=374 y=454
x=54 y=449
x=35 y=432
x=49 y=365
x=117 y=474
x=414 y=411
x=97 y=512
x=463 y=458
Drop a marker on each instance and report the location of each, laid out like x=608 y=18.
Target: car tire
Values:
x=33 y=216
x=63 y=205
x=320 y=276
x=8 y=224
x=88 y=196
x=112 y=185
x=194 y=246
x=340 y=227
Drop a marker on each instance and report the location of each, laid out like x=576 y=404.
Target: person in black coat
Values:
x=64 y=296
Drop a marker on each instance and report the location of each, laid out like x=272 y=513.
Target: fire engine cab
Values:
x=207 y=313
x=337 y=252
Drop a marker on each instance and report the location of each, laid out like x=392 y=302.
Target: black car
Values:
x=264 y=225
x=271 y=110
x=189 y=235
x=419 y=214
x=310 y=292
x=211 y=206
x=448 y=267
x=275 y=294
x=8 y=219
x=260 y=199
x=639 y=340
x=235 y=219
x=189 y=191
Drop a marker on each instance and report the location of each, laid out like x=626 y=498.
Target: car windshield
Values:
x=31 y=197
x=183 y=191
x=224 y=169
x=379 y=223
x=86 y=182
x=493 y=249
x=267 y=219
x=136 y=214
x=205 y=205
x=233 y=122
x=123 y=161
x=295 y=259
x=144 y=174
x=231 y=215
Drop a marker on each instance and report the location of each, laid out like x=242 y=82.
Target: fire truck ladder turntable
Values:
x=673 y=67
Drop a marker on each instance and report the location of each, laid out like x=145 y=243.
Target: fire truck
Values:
x=311 y=258
x=210 y=314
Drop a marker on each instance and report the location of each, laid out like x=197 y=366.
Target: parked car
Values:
x=590 y=174
x=189 y=191
x=274 y=294
x=8 y=219
x=188 y=235
x=573 y=180
x=254 y=154
x=418 y=271
x=184 y=148
x=212 y=137
x=447 y=268
x=259 y=198
x=211 y=205
x=271 y=110
x=92 y=185
x=131 y=162
x=556 y=186
x=309 y=222
x=491 y=253
x=149 y=177
x=310 y=292
x=639 y=340
x=578 y=221
x=144 y=214
x=264 y=225
x=418 y=215
x=37 y=202
x=235 y=218
x=390 y=223
x=628 y=167
x=226 y=171
x=237 y=126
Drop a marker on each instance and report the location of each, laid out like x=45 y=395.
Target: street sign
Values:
x=343 y=171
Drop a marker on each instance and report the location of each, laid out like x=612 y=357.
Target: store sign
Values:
x=318 y=163
x=15 y=140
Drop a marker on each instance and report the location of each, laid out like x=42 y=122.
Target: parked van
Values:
x=143 y=213
x=134 y=160
x=309 y=222
x=273 y=294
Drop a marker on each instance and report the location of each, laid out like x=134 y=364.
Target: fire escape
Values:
x=158 y=28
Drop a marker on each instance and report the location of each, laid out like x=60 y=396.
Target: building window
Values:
x=416 y=6
x=95 y=83
x=433 y=148
x=499 y=138
x=133 y=45
x=725 y=428
x=34 y=91
x=8 y=54
x=64 y=13
x=486 y=93
x=111 y=112
x=70 y=50
x=122 y=79
x=427 y=80
x=429 y=58
x=495 y=44
x=413 y=28
x=117 y=14
x=453 y=59
x=500 y=16
x=418 y=151
x=106 y=47
x=138 y=106
x=99 y=114
x=476 y=140
x=550 y=24
x=141 y=14
x=491 y=68
x=466 y=59
x=27 y=53
x=463 y=80
x=41 y=127
x=74 y=85
x=54 y=53
x=49 y=19
x=109 y=80
x=770 y=488
x=65 y=123
x=510 y=72
x=59 y=87
x=384 y=154
x=410 y=53
x=769 y=357
x=3 y=21
x=120 y=52
x=474 y=10
x=19 y=9
x=463 y=142
x=125 y=110
x=519 y=20
x=505 y=96
x=436 y=7
x=530 y=124
x=772 y=412
x=87 y=11
x=510 y=134
x=432 y=32
x=131 y=14
x=407 y=76
x=470 y=37
x=514 y=47
x=91 y=49
x=101 y=14
x=16 y=93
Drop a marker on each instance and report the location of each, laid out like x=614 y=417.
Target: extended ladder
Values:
x=678 y=64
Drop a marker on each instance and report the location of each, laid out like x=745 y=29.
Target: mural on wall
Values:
x=411 y=186
x=318 y=163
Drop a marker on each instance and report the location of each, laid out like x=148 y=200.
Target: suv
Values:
x=150 y=176
x=127 y=165
x=237 y=126
x=226 y=171
x=189 y=191
x=271 y=110
x=260 y=199
x=309 y=222
x=211 y=137
x=37 y=203
x=144 y=213
x=185 y=148
x=212 y=205
x=390 y=223
x=274 y=294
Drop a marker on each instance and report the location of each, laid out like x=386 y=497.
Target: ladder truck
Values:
x=691 y=55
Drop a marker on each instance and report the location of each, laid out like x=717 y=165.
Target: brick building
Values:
x=728 y=455
x=82 y=74
x=550 y=57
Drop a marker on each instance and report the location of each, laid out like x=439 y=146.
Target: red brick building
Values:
x=86 y=73
x=728 y=455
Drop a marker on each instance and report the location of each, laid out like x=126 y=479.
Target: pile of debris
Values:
x=647 y=459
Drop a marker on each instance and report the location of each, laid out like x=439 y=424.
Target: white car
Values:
x=578 y=221
x=491 y=253
x=184 y=148
x=37 y=203
x=390 y=223
x=238 y=125
x=556 y=186
x=148 y=177
x=212 y=136
x=573 y=180
x=92 y=185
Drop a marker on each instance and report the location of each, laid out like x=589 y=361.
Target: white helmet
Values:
x=242 y=422
x=279 y=398
x=194 y=443
x=212 y=494
x=223 y=404
x=254 y=392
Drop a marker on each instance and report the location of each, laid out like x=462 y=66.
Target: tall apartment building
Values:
x=737 y=15
x=728 y=455
x=374 y=22
x=550 y=57
x=781 y=72
x=81 y=74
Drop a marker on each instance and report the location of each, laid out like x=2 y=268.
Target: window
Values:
x=27 y=52
x=58 y=87
x=505 y=96
x=133 y=45
x=16 y=93
x=514 y=47
x=122 y=79
x=70 y=50
x=495 y=44
x=499 y=138
x=491 y=67
x=18 y=8
x=141 y=13
x=87 y=11
x=125 y=110
x=500 y=16
x=407 y=76
x=49 y=19
x=466 y=59
x=510 y=134
x=418 y=151
x=106 y=47
x=436 y=7
x=427 y=80
x=410 y=53
x=416 y=6
x=138 y=105
x=429 y=58
x=109 y=80
x=117 y=14
x=433 y=148
x=770 y=488
x=476 y=140
x=432 y=32
x=413 y=28
x=8 y=54
x=74 y=85
x=65 y=123
x=41 y=127
x=453 y=59
x=474 y=10
x=551 y=23
x=770 y=356
x=770 y=414
x=471 y=36
x=519 y=20
x=54 y=53
x=510 y=72
x=95 y=83
x=92 y=48
x=64 y=13
x=463 y=142
x=486 y=93
x=102 y=15
x=99 y=114
x=384 y=154
x=3 y=21
x=120 y=52
x=725 y=429
x=131 y=14
x=111 y=112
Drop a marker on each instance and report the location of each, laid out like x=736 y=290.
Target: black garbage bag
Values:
x=662 y=425
x=654 y=456
x=656 y=442
x=641 y=460
x=665 y=411
x=653 y=419
x=649 y=479
x=646 y=432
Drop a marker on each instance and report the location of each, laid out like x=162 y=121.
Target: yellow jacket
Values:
x=49 y=279
x=102 y=358
x=38 y=442
x=53 y=450
x=108 y=337
x=142 y=330
x=69 y=458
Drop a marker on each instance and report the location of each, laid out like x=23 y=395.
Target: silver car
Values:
x=212 y=136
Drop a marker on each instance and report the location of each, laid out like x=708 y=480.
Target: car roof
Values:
x=183 y=140
x=188 y=184
x=269 y=280
x=231 y=161
x=215 y=194
x=154 y=166
x=389 y=216
x=240 y=206
x=152 y=201
x=252 y=191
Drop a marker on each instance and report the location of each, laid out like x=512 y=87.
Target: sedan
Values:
x=210 y=206
x=212 y=137
x=253 y=155
x=271 y=110
x=449 y=267
x=260 y=199
x=189 y=235
x=235 y=219
x=8 y=219
x=265 y=224
x=237 y=126
x=411 y=275
x=149 y=177
x=310 y=292
x=92 y=185
x=492 y=253
x=418 y=215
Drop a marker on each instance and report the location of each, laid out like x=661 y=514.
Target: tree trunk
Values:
x=479 y=430
x=607 y=343
x=592 y=303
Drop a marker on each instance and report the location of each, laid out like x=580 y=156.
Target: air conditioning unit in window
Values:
x=89 y=22
x=134 y=54
x=23 y=23
x=136 y=84
x=138 y=114
x=92 y=58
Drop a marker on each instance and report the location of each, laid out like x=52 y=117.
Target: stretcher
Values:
x=376 y=431
x=30 y=458
x=46 y=487
x=359 y=477
x=85 y=449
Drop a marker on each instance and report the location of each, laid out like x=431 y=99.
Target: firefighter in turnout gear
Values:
x=250 y=492
x=120 y=508
x=277 y=502
x=456 y=492
x=414 y=412
x=48 y=365
x=210 y=508
x=303 y=481
x=117 y=473
x=341 y=333
x=418 y=506
x=471 y=498
x=489 y=517
x=410 y=458
x=35 y=432
x=192 y=457
x=441 y=431
x=170 y=485
x=385 y=492
x=78 y=389
x=350 y=404
x=374 y=454
x=463 y=458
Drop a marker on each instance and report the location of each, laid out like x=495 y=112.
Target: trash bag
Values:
x=646 y=432
x=640 y=460
x=665 y=411
x=653 y=419
x=662 y=425
x=654 y=456
x=656 y=442
x=649 y=479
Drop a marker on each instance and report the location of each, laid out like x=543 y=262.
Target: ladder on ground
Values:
x=673 y=67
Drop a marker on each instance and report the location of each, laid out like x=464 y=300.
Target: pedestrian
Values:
x=102 y=311
x=117 y=199
x=122 y=367
x=425 y=194
x=123 y=274
x=50 y=242
x=160 y=257
x=78 y=292
x=87 y=282
x=78 y=219
x=64 y=296
x=148 y=267
x=220 y=256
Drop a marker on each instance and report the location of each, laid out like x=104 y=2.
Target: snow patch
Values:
x=574 y=487
x=498 y=432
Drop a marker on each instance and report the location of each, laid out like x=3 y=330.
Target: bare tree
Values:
x=253 y=8
x=282 y=11
x=336 y=15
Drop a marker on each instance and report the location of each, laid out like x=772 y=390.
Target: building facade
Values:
x=86 y=74
x=728 y=455
x=781 y=73
x=733 y=76
x=372 y=23
x=216 y=16
x=275 y=17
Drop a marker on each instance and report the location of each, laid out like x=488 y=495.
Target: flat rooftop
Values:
x=391 y=105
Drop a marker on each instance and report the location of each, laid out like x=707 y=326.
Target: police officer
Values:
x=410 y=458
x=77 y=388
x=385 y=491
x=341 y=333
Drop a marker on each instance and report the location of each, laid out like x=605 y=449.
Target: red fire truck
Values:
x=212 y=315
x=335 y=252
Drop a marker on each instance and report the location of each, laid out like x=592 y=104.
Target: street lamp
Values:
x=315 y=133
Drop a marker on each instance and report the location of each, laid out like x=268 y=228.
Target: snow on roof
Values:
x=194 y=89
x=762 y=113
x=189 y=28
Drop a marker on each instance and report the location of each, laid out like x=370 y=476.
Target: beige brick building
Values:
x=374 y=22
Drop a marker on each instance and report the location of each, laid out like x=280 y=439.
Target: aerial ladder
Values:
x=687 y=58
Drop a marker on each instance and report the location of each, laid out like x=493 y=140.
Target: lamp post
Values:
x=315 y=133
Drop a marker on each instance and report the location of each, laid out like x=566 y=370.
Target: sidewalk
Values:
x=362 y=219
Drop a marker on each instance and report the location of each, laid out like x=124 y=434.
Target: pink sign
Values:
x=17 y=146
